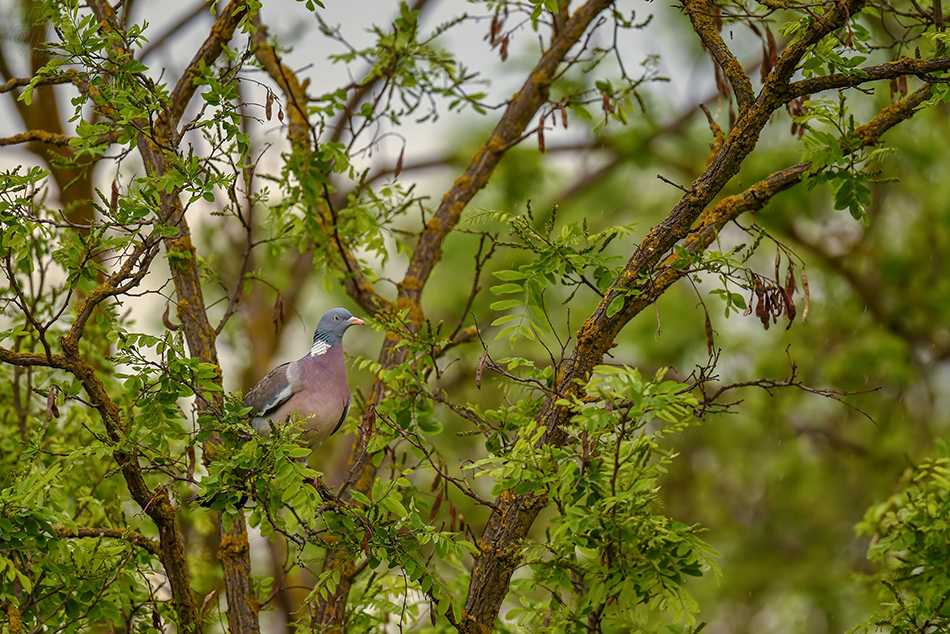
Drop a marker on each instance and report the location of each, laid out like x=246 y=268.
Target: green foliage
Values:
x=396 y=526
x=570 y=258
x=841 y=161
x=18 y=192
x=544 y=5
x=56 y=579
x=426 y=71
x=611 y=557
x=245 y=464
x=910 y=541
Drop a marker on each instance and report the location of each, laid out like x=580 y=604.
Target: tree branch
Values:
x=134 y=538
x=921 y=68
x=700 y=14
x=69 y=76
x=221 y=33
x=33 y=136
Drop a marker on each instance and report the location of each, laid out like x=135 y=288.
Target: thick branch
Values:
x=32 y=359
x=69 y=76
x=700 y=14
x=922 y=68
x=599 y=332
x=234 y=550
x=712 y=220
x=33 y=136
x=518 y=512
x=134 y=538
x=200 y=335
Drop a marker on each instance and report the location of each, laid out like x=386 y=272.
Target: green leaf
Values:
x=503 y=289
x=506 y=304
x=27 y=95
x=508 y=275
x=392 y=504
x=504 y=319
x=430 y=425
x=359 y=497
x=615 y=306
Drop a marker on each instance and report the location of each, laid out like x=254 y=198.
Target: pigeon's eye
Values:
x=336 y=318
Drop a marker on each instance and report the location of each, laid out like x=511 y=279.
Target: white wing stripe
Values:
x=276 y=401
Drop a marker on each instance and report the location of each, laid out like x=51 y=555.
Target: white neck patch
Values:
x=319 y=347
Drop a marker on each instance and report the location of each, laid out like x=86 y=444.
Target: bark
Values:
x=701 y=15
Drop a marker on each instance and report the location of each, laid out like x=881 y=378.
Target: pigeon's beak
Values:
x=356 y=321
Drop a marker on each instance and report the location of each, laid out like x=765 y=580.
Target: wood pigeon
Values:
x=314 y=387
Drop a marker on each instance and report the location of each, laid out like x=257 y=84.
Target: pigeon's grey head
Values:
x=332 y=326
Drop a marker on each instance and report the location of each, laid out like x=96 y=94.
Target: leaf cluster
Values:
x=570 y=258
x=610 y=556
x=910 y=540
